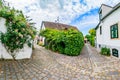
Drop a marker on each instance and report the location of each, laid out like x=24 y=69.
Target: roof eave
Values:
x=97 y=26
x=110 y=12
x=104 y=5
x=106 y=16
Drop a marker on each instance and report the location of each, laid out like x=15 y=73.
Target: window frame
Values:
x=100 y=14
x=100 y=30
x=112 y=29
x=114 y=50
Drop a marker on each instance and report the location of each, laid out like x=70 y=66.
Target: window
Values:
x=114 y=31
x=100 y=29
x=100 y=14
x=99 y=46
x=115 y=52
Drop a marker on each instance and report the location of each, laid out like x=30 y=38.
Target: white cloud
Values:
x=49 y=10
x=87 y=21
x=20 y=4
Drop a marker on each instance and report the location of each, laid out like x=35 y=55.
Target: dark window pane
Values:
x=115 y=52
x=114 y=31
x=100 y=29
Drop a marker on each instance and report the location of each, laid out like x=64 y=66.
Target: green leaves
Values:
x=105 y=51
x=68 y=42
x=18 y=31
x=91 y=37
x=92 y=32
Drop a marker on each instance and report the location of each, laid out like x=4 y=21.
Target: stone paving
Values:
x=47 y=65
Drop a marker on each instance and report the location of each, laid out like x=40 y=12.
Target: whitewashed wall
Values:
x=105 y=38
x=41 y=37
x=105 y=9
x=26 y=52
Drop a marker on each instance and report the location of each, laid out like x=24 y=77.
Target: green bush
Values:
x=20 y=30
x=61 y=47
x=105 y=51
x=69 y=42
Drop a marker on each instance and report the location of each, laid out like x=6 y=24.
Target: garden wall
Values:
x=22 y=54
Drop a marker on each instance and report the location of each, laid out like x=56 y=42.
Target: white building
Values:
x=108 y=29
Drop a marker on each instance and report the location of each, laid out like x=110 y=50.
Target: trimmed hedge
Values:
x=69 y=42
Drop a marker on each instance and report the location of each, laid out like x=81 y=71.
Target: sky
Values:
x=80 y=13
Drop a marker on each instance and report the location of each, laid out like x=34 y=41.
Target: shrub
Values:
x=69 y=42
x=105 y=51
x=20 y=30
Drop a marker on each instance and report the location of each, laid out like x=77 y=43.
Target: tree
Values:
x=92 y=32
x=87 y=36
x=91 y=36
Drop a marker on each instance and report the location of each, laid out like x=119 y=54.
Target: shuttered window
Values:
x=114 y=31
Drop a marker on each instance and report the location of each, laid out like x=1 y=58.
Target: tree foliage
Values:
x=91 y=36
x=92 y=32
x=69 y=42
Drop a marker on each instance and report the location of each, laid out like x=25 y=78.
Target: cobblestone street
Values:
x=47 y=65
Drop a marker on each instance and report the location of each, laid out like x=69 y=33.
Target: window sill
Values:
x=114 y=38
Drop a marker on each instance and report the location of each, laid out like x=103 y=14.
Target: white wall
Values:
x=23 y=53
x=41 y=37
x=105 y=10
x=105 y=38
x=43 y=27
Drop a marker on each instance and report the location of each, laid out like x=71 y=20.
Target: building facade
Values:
x=108 y=29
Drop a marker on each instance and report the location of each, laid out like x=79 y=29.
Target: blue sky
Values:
x=80 y=13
